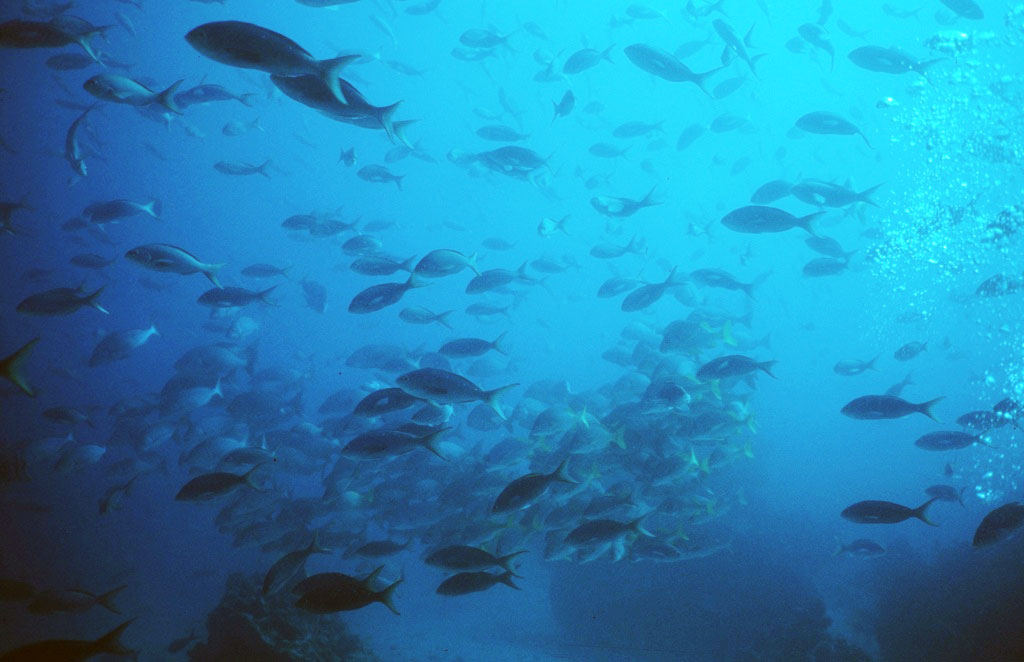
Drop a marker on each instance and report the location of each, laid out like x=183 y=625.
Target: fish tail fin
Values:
x=153 y=207
x=166 y=98
x=386 y=597
x=384 y=116
x=491 y=398
x=415 y=280
x=471 y=263
x=107 y=599
x=561 y=474
x=561 y=225
x=93 y=300
x=398 y=181
x=840 y=548
x=865 y=196
x=506 y=561
x=408 y=265
x=506 y=579
x=700 y=80
x=648 y=200
x=960 y=496
x=262 y=169
x=430 y=442
x=11 y=367
x=247 y=476
x=871 y=363
x=753 y=62
x=619 y=439
x=727 y=337
x=111 y=641
x=217 y=389
x=606 y=54
x=210 y=271
x=920 y=511
x=498 y=346
x=807 y=222
x=442 y=318
x=330 y=71
x=767 y=366
x=926 y=407
x=923 y=67
x=262 y=296
x=399 y=130
x=637 y=525
x=315 y=547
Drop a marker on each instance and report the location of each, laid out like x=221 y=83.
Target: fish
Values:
x=999 y=524
x=240 y=169
x=947 y=493
x=172 y=259
x=965 y=9
x=614 y=207
x=466 y=558
x=61 y=301
x=886 y=512
x=526 y=490
x=851 y=367
x=861 y=547
x=910 y=350
x=73 y=153
x=72 y=650
x=289 y=566
x=376 y=444
x=770 y=192
x=216 y=484
x=889 y=60
x=118 y=345
x=759 y=219
x=442 y=387
x=234 y=297
x=826 y=123
x=875 y=407
x=733 y=365
x=666 y=66
x=331 y=592
x=734 y=44
x=563 y=108
x=585 y=59
x=948 y=440
x=444 y=262
x=472 y=582
x=250 y=46
x=379 y=175
x=124 y=90
x=825 y=266
x=378 y=297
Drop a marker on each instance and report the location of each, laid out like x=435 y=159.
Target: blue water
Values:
x=748 y=506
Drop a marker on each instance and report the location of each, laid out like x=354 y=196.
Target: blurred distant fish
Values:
x=379 y=175
x=242 y=169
